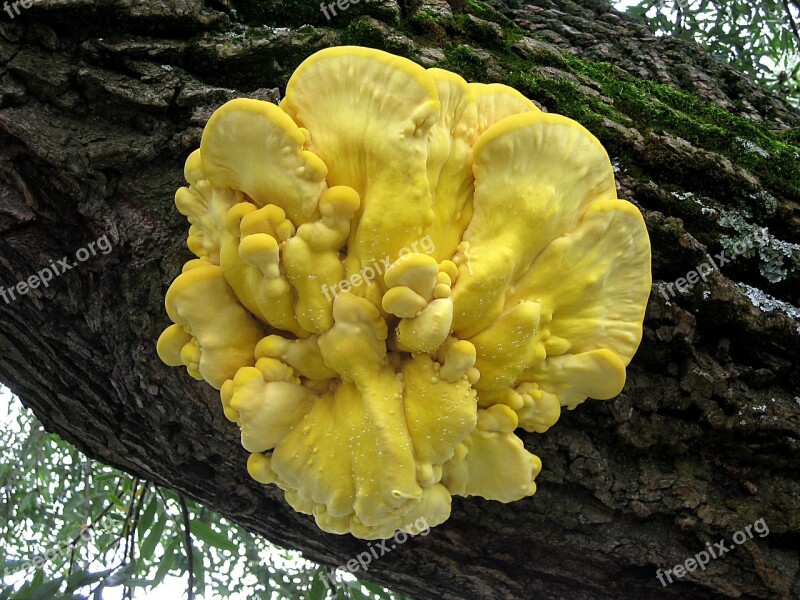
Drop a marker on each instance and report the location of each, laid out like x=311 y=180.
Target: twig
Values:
x=789 y=16
x=71 y=561
x=74 y=541
x=187 y=540
x=126 y=531
x=96 y=521
x=137 y=511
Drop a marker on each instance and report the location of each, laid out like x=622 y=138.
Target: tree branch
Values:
x=187 y=540
x=789 y=16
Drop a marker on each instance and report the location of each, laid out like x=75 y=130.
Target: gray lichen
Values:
x=767 y=303
x=776 y=257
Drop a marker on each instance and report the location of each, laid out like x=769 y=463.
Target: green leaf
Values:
x=637 y=11
x=83 y=578
x=199 y=572
x=148 y=545
x=318 y=590
x=116 y=500
x=121 y=576
x=46 y=591
x=146 y=518
x=381 y=592
x=139 y=582
x=10 y=566
x=203 y=532
x=167 y=562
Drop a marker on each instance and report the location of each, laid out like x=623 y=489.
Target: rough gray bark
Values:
x=101 y=103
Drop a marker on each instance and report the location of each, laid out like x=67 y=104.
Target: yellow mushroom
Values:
x=214 y=337
x=254 y=147
x=396 y=270
x=492 y=462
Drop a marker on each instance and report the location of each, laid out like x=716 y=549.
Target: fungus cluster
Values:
x=371 y=407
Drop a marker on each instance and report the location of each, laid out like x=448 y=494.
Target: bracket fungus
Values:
x=371 y=408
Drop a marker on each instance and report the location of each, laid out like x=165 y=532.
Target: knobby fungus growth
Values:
x=372 y=407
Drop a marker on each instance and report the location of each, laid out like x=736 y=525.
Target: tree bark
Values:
x=100 y=104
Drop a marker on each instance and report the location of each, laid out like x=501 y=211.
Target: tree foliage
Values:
x=72 y=528
x=761 y=39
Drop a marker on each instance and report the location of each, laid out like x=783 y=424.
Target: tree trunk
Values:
x=100 y=106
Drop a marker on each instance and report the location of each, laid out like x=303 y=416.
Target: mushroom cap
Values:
x=254 y=147
x=396 y=270
x=214 y=337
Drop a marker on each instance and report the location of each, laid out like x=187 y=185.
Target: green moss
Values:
x=283 y=12
x=466 y=62
x=792 y=136
x=427 y=29
x=633 y=102
x=659 y=107
x=304 y=12
x=484 y=11
x=409 y=7
x=363 y=32
x=306 y=32
x=646 y=106
x=479 y=30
